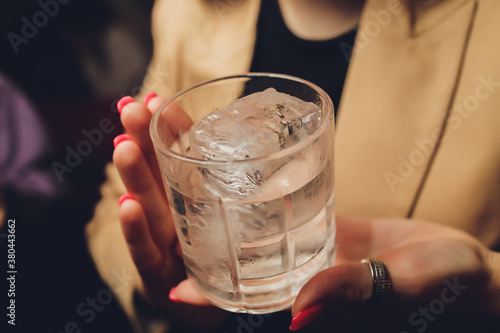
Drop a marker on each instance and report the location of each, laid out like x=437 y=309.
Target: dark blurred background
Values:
x=71 y=60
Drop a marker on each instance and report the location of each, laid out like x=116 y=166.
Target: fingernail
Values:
x=148 y=97
x=120 y=138
x=125 y=197
x=172 y=296
x=306 y=317
x=124 y=101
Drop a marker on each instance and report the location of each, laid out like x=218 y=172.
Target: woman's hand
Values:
x=145 y=216
x=433 y=268
x=425 y=261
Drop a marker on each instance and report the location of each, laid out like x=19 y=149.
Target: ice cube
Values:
x=253 y=126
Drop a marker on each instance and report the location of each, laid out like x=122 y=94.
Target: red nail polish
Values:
x=171 y=295
x=148 y=97
x=120 y=138
x=306 y=317
x=122 y=102
x=125 y=197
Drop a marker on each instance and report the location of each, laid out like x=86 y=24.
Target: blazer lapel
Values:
x=400 y=86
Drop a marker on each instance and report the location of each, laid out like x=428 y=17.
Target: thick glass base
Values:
x=273 y=294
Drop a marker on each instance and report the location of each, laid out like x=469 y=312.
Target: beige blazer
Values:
x=418 y=132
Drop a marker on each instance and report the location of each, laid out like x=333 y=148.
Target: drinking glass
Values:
x=249 y=249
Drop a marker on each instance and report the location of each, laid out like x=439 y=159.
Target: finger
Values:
x=353 y=239
x=144 y=252
x=178 y=121
x=344 y=284
x=188 y=292
x=359 y=238
x=154 y=103
x=344 y=291
x=140 y=182
x=135 y=118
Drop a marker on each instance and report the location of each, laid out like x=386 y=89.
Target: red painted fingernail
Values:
x=171 y=295
x=306 y=317
x=124 y=101
x=120 y=138
x=125 y=197
x=148 y=97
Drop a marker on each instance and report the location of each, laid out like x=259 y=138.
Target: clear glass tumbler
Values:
x=249 y=250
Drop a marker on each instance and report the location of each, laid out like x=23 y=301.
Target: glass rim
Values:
x=289 y=151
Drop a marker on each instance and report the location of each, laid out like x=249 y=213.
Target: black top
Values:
x=278 y=50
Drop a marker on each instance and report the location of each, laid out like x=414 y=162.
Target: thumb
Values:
x=348 y=283
x=188 y=292
x=153 y=102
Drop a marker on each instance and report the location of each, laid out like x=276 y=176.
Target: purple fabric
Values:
x=23 y=141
